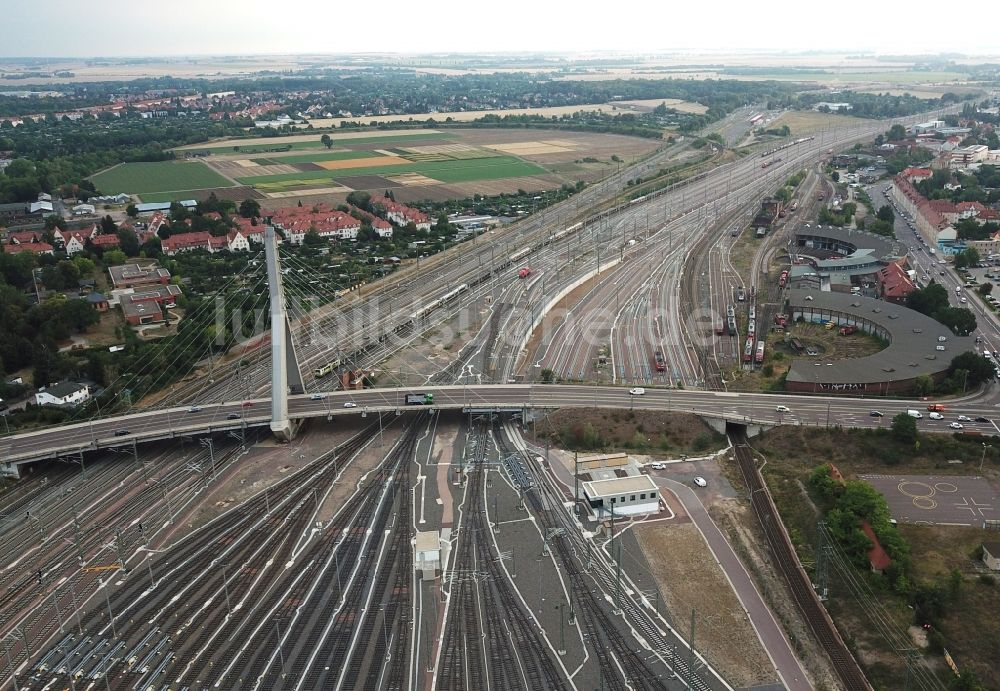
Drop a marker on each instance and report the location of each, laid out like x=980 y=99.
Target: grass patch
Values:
x=165 y=176
x=495 y=168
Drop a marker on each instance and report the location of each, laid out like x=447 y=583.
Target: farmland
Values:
x=168 y=176
x=444 y=171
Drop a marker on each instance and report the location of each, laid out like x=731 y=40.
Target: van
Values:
x=915 y=414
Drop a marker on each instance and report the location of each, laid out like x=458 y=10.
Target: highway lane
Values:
x=737 y=407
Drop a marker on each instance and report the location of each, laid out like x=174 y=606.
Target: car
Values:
x=247 y=404
x=658 y=466
x=875 y=413
x=964 y=418
x=317 y=397
x=782 y=409
x=121 y=432
x=941 y=272
x=350 y=404
x=983 y=419
x=935 y=416
x=637 y=391
x=963 y=301
x=233 y=416
x=700 y=481
x=956 y=425
x=194 y=409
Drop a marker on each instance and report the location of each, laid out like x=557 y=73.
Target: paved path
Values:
x=771 y=636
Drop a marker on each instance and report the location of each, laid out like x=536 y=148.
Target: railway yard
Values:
x=417 y=548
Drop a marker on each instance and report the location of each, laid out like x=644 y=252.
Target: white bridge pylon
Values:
x=286 y=377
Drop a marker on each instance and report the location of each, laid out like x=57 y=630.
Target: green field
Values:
x=494 y=168
x=166 y=176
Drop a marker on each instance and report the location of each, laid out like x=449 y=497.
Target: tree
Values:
x=967 y=257
x=896 y=133
x=885 y=214
x=985 y=289
x=108 y=226
x=835 y=176
x=904 y=429
x=362 y=200
x=128 y=241
x=928 y=300
x=979 y=368
x=114 y=258
x=312 y=238
x=249 y=208
x=327 y=141
x=132 y=210
x=961 y=321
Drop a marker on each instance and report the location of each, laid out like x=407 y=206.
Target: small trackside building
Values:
x=627 y=496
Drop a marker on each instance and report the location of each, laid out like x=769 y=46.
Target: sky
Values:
x=60 y=28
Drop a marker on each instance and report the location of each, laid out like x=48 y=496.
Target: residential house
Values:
x=894 y=283
x=878 y=559
x=33 y=247
x=401 y=214
x=105 y=242
x=63 y=393
x=98 y=302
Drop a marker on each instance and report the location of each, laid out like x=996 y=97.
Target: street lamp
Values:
x=983 y=458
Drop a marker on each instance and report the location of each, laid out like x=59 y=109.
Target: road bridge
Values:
x=745 y=408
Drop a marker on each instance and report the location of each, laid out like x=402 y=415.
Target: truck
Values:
x=524 y=272
x=419 y=399
x=935 y=408
x=847 y=330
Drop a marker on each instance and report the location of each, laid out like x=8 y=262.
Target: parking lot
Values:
x=938 y=500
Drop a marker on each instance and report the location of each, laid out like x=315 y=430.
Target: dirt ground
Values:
x=690 y=580
x=660 y=433
x=579 y=144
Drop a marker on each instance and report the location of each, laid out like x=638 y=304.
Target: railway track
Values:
x=489 y=642
x=139 y=608
x=844 y=664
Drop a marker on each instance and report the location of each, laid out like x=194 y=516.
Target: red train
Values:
x=659 y=362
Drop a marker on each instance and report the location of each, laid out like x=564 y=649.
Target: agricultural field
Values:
x=166 y=176
x=418 y=164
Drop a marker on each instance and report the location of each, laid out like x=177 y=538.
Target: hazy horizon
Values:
x=122 y=29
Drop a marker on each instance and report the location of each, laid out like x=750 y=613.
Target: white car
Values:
x=350 y=404
x=956 y=425
x=964 y=418
x=194 y=409
x=963 y=301
x=936 y=416
x=317 y=397
x=637 y=391
x=658 y=466
x=700 y=481
x=782 y=409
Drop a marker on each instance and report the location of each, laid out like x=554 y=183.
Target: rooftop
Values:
x=619 y=486
x=913 y=340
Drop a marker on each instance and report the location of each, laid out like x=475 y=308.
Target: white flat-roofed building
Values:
x=428 y=551
x=628 y=496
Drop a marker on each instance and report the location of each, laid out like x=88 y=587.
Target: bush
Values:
x=987 y=579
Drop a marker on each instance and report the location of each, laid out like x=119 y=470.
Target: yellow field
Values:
x=809 y=122
x=362 y=162
x=551 y=146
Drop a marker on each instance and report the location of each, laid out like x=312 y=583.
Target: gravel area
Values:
x=689 y=579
